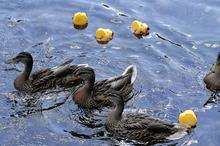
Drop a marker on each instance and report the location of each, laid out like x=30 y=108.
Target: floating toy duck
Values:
x=44 y=79
x=139 y=29
x=80 y=20
x=212 y=79
x=103 y=36
x=188 y=118
x=92 y=95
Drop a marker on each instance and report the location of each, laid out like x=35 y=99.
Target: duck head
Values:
x=23 y=57
x=26 y=59
x=84 y=89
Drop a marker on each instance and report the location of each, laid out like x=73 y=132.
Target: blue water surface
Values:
x=170 y=70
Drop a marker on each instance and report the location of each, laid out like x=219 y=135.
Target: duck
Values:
x=92 y=94
x=140 y=127
x=212 y=79
x=44 y=79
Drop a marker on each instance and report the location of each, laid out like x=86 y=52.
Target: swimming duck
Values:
x=43 y=79
x=93 y=94
x=140 y=127
x=212 y=79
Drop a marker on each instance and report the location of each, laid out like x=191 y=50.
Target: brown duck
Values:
x=44 y=79
x=212 y=79
x=140 y=127
x=93 y=94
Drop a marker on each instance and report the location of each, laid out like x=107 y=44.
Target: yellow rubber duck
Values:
x=80 y=20
x=139 y=29
x=188 y=118
x=103 y=36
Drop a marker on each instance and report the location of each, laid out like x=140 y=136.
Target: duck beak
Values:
x=12 y=61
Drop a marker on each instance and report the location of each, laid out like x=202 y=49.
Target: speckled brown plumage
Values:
x=93 y=94
x=43 y=79
x=138 y=127
x=141 y=128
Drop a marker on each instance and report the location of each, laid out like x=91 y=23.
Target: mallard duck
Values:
x=93 y=94
x=212 y=79
x=43 y=79
x=140 y=127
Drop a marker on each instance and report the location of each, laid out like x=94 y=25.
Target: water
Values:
x=170 y=72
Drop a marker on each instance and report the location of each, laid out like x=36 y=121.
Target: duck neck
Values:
x=24 y=76
x=88 y=90
x=28 y=69
x=117 y=113
x=84 y=93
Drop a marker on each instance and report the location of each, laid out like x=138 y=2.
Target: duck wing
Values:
x=103 y=90
x=51 y=71
x=127 y=77
x=101 y=87
x=40 y=74
x=50 y=77
x=146 y=122
x=122 y=85
x=144 y=128
x=103 y=98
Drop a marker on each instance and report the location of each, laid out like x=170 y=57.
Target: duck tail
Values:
x=83 y=65
x=182 y=131
x=131 y=69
